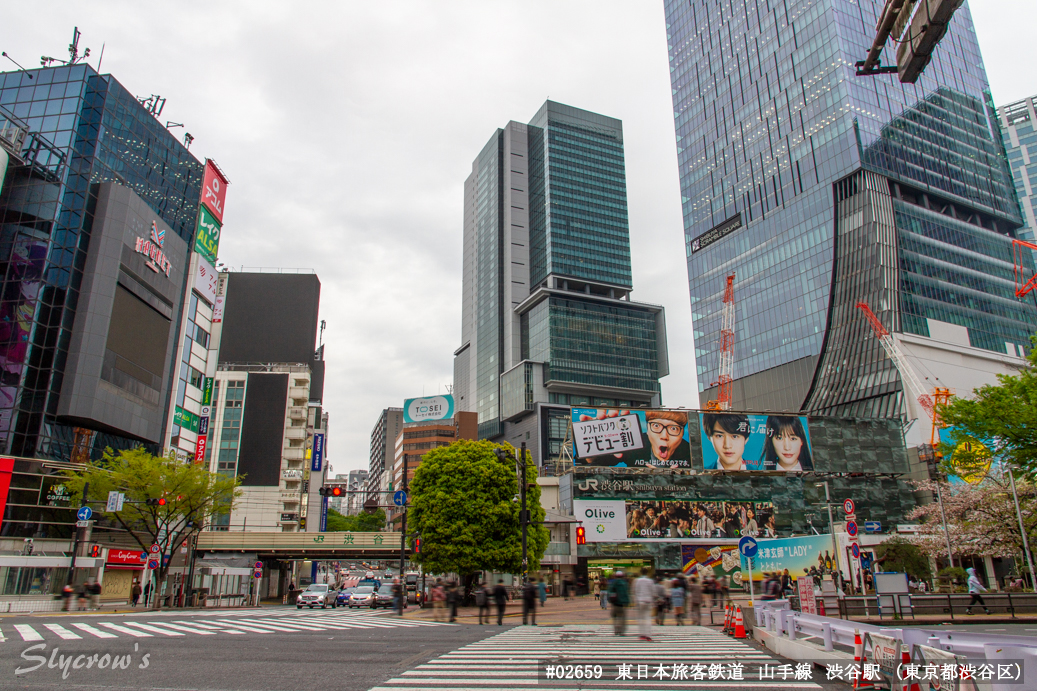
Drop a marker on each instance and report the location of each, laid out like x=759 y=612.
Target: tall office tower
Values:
x=546 y=315
x=817 y=189
x=97 y=218
x=1019 y=133
x=383 y=436
x=268 y=424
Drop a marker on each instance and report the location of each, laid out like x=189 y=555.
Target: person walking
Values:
x=677 y=600
x=603 y=589
x=135 y=592
x=542 y=591
x=482 y=599
x=662 y=600
x=644 y=598
x=452 y=596
x=529 y=601
x=695 y=601
x=83 y=596
x=975 y=588
x=93 y=589
x=438 y=600
x=66 y=595
x=619 y=598
x=500 y=598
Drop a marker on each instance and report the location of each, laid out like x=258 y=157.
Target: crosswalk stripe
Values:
x=62 y=632
x=27 y=632
x=214 y=629
x=123 y=629
x=153 y=629
x=188 y=629
x=94 y=632
x=270 y=628
x=245 y=627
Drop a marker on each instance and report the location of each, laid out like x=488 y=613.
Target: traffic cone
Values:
x=859 y=658
x=821 y=607
x=905 y=659
x=727 y=619
x=739 y=623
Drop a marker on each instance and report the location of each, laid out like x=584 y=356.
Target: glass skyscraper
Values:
x=70 y=132
x=1019 y=132
x=817 y=189
x=546 y=310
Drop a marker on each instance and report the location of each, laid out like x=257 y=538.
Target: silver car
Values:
x=317 y=594
x=362 y=596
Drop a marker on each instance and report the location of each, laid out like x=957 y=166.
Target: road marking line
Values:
x=94 y=632
x=123 y=629
x=188 y=629
x=215 y=629
x=27 y=632
x=62 y=632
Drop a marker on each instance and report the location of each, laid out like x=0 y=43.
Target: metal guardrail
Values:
x=942 y=604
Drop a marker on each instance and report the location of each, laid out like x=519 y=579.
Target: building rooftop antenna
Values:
x=28 y=74
x=73 y=52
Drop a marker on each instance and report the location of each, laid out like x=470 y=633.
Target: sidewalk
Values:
x=584 y=609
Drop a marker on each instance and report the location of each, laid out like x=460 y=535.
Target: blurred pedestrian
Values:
x=677 y=600
x=695 y=601
x=438 y=600
x=147 y=594
x=619 y=598
x=542 y=591
x=482 y=598
x=529 y=601
x=662 y=601
x=135 y=592
x=452 y=596
x=500 y=598
x=644 y=598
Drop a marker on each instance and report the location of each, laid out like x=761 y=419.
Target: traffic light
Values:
x=417 y=545
x=161 y=501
x=330 y=491
x=302 y=523
x=95 y=551
x=581 y=535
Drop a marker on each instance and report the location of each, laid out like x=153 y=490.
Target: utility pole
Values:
x=831 y=528
x=1022 y=530
x=524 y=515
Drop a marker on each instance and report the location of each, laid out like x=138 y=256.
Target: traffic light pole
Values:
x=75 y=543
x=402 y=593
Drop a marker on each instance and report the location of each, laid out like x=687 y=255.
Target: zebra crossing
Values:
x=208 y=624
x=691 y=657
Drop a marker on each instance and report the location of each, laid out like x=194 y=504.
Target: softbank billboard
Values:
x=603 y=519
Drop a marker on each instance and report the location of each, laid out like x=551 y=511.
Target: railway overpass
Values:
x=301 y=546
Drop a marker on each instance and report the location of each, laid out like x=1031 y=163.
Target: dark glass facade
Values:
x=770 y=121
x=100 y=133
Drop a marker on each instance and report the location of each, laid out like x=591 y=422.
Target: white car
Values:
x=363 y=596
x=317 y=594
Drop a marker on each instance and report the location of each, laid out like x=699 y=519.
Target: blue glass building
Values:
x=81 y=146
x=818 y=188
x=546 y=310
x=1019 y=133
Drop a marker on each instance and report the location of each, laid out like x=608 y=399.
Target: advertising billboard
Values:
x=318 y=452
x=214 y=190
x=625 y=520
x=631 y=438
x=185 y=418
x=711 y=560
x=744 y=441
x=207 y=239
x=428 y=409
x=797 y=554
x=205 y=280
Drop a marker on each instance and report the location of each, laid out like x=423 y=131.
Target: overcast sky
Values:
x=347 y=130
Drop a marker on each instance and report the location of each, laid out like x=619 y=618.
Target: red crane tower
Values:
x=727 y=349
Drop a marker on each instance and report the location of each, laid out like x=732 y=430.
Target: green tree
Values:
x=897 y=554
x=1002 y=416
x=463 y=503
x=361 y=523
x=193 y=496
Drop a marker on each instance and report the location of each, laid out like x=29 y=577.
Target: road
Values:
x=283 y=648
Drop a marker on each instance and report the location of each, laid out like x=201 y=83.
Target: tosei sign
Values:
x=428 y=409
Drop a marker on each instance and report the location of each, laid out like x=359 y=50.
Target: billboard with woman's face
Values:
x=743 y=441
x=631 y=438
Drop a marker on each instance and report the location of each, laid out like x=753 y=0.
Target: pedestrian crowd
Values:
x=655 y=598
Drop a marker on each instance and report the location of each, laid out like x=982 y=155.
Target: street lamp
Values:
x=523 y=513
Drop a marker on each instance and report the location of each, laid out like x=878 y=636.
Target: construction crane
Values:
x=727 y=349
x=1019 y=256
x=929 y=400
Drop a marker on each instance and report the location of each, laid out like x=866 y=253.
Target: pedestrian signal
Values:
x=581 y=535
x=95 y=551
x=417 y=545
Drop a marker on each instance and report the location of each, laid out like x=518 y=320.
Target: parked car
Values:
x=317 y=594
x=362 y=596
x=343 y=596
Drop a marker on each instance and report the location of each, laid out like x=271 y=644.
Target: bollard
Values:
x=826 y=633
x=790 y=623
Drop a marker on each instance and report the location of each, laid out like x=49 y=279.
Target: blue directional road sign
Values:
x=84 y=513
x=872 y=527
x=399 y=498
x=748 y=547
